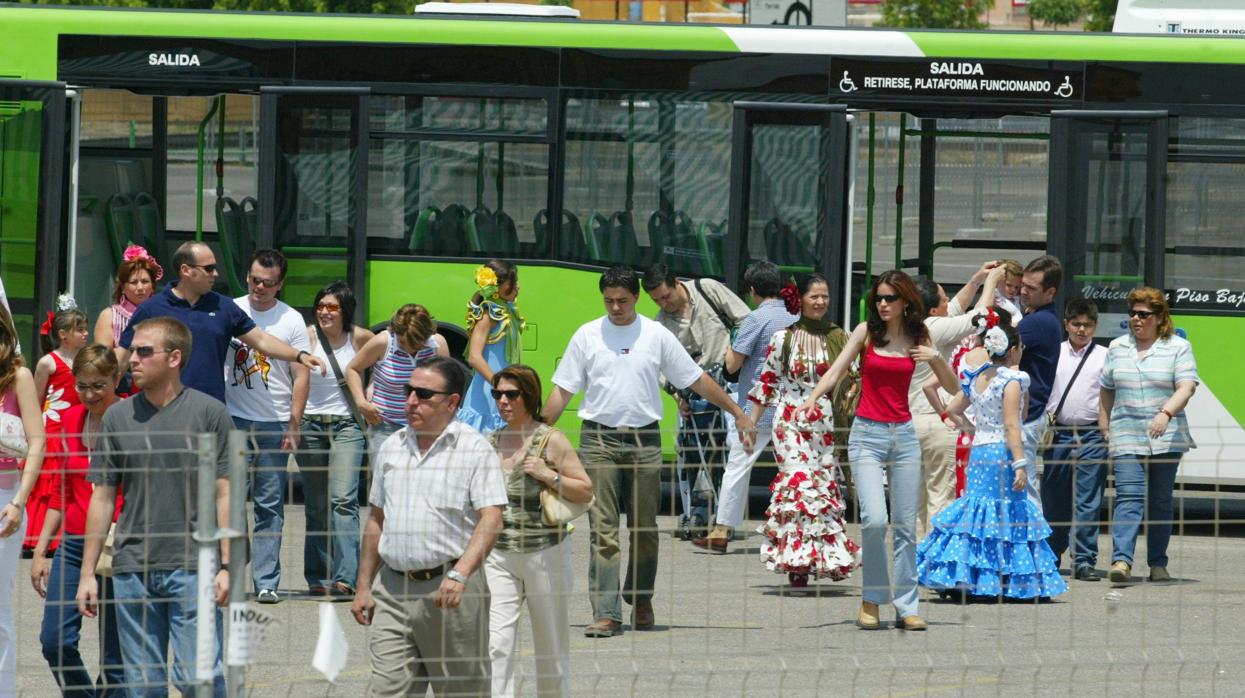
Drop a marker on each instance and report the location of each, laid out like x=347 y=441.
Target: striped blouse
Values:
x=390 y=375
x=1141 y=387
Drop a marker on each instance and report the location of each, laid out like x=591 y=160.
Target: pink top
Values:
x=884 y=382
x=121 y=314
x=8 y=405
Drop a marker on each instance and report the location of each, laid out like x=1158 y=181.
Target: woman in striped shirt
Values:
x=392 y=355
x=1147 y=380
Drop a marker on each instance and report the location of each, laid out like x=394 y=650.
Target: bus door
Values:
x=32 y=203
x=790 y=186
x=312 y=190
x=1107 y=207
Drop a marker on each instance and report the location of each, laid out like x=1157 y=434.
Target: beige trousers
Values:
x=542 y=581
x=937 y=466
x=415 y=645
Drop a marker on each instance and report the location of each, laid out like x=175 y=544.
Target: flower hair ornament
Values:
x=64 y=302
x=996 y=341
x=791 y=298
x=134 y=252
x=486 y=279
x=988 y=321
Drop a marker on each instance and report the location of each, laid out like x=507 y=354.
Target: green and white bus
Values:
x=399 y=152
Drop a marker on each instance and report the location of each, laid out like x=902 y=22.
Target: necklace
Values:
x=90 y=428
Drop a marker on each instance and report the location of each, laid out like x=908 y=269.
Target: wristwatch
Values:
x=456 y=576
x=557 y=480
x=299 y=358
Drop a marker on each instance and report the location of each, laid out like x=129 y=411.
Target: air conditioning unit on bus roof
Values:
x=502 y=9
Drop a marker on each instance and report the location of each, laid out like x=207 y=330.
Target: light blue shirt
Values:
x=752 y=340
x=1141 y=387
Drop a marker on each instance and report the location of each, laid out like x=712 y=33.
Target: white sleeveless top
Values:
x=324 y=397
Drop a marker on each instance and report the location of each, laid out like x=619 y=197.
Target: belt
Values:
x=651 y=426
x=430 y=573
x=327 y=418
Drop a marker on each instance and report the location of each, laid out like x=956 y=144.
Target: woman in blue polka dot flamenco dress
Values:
x=992 y=541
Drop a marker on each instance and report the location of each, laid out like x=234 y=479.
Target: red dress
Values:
x=62 y=394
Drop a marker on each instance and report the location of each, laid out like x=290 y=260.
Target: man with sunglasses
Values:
x=213 y=319
x=266 y=398
x=437 y=496
x=1040 y=333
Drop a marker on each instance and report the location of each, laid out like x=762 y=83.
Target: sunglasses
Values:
x=328 y=307
x=1143 y=314
x=256 y=281
x=887 y=297
x=207 y=268
x=510 y=395
x=1083 y=325
x=424 y=393
x=146 y=352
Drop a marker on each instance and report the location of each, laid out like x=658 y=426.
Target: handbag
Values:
x=555 y=511
x=103 y=567
x=1052 y=418
x=341 y=380
x=13 y=442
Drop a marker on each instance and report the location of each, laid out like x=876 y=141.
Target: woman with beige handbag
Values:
x=532 y=559
x=95 y=372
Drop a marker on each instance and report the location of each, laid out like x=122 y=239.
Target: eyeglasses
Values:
x=887 y=297
x=510 y=395
x=328 y=307
x=424 y=393
x=1082 y=325
x=1143 y=314
x=146 y=352
x=256 y=281
x=91 y=387
x=207 y=268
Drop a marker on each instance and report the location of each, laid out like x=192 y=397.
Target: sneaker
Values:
x=1159 y=574
x=268 y=596
x=1121 y=572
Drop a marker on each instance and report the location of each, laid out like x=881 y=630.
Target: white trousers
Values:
x=10 y=558
x=734 y=495
x=542 y=579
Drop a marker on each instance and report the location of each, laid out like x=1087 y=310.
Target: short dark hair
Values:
x=269 y=258
x=1050 y=268
x=527 y=381
x=184 y=255
x=449 y=369
x=345 y=297
x=764 y=278
x=620 y=276
x=1081 y=306
x=657 y=275
x=928 y=288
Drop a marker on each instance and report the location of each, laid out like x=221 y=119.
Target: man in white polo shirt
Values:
x=617 y=361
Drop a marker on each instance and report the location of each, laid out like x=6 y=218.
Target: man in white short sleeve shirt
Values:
x=616 y=361
x=437 y=496
x=266 y=397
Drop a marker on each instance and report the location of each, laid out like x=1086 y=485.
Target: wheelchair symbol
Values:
x=846 y=84
x=1065 y=90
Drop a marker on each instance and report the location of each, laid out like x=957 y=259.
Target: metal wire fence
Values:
x=724 y=624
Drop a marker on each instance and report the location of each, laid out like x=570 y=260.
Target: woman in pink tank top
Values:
x=883 y=441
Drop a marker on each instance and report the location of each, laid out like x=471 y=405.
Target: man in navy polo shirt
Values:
x=1040 y=333
x=213 y=320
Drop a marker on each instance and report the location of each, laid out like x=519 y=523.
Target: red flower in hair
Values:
x=46 y=328
x=791 y=298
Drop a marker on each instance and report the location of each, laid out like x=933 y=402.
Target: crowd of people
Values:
x=932 y=412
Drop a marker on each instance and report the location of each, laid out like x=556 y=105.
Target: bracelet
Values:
x=557 y=480
x=1020 y=464
x=298 y=359
x=1166 y=412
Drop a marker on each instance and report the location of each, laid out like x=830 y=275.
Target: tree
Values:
x=1054 y=13
x=1100 y=15
x=933 y=14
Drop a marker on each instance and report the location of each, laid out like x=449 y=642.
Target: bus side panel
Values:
x=1217 y=411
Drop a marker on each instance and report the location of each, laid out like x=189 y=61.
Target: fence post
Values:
x=206 y=534
x=235 y=676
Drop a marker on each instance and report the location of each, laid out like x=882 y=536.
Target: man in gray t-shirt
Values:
x=147 y=449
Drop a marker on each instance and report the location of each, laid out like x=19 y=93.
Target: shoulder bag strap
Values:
x=341 y=380
x=1072 y=381
x=537 y=447
x=726 y=320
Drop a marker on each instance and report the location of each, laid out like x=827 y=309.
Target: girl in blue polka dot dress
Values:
x=992 y=541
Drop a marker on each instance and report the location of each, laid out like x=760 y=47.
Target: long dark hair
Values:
x=913 y=311
x=345 y=298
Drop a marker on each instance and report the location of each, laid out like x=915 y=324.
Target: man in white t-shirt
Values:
x=616 y=362
x=266 y=397
x=948 y=324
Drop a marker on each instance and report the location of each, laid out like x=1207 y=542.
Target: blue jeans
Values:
x=872 y=447
x=1074 y=475
x=268 y=491
x=154 y=610
x=1031 y=433
x=62 y=625
x=1143 y=489
x=329 y=459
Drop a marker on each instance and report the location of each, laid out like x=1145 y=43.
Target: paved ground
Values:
x=728 y=627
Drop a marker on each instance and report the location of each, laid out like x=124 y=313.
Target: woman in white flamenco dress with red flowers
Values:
x=804 y=531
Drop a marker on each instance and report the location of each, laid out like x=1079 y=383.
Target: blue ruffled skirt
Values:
x=991 y=541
